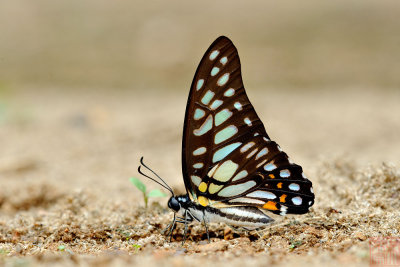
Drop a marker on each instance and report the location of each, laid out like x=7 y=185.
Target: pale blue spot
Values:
x=199 y=84
x=198 y=165
x=199 y=151
x=238 y=106
x=297 y=201
x=196 y=180
x=205 y=127
x=214 y=54
x=222 y=116
x=247 y=121
x=207 y=97
x=240 y=175
x=284 y=173
x=234 y=190
x=262 y=194
x=216 y=104
x=225 y=171
x=263 y=152
x=294 y=187
x=225 y=134
x=223 y=60
x=225 y=151
x=214 y=71
x=270 y=167
x=223 y=80
x=198 y=114
x=252 y=153
x=247 y=146
x=229 y=92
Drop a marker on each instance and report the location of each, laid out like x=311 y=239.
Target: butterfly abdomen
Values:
x=241 y=216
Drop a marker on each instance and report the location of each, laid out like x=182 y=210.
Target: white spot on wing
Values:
x=216 y=104
x=294 y=187
x=237 y=189
x=270 y=167
x=238 y=106
x=225 y=171
x=240 y=175
x=214 y=71
x=263 y=152
x=198 y=165
x=247 y=146
x=196 y=179
x=223 y=79
x=225 y=134
x=198 y=114
x=283 y=210
x=223 y=60
x=214 y=54
x=199 y=151
x=225 y=151
x=207 y=97
x=247 y=200
x=247 y=121
x=199 y=84
x=261 y=163
x=297 y=201
x=262 y=194
x=284 y=173
x=252 y=153
x=205 y=127
x=222 y=116
x=229 y=92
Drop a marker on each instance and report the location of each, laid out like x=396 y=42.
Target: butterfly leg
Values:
x=206 y=226
x=186 y=228
x=171 y=228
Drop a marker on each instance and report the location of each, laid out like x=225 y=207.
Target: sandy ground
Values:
x=66 y=158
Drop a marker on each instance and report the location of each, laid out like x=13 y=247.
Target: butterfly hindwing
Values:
x=227 y=156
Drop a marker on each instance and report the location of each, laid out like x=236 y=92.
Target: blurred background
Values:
x=87 y=87
x=137 y=44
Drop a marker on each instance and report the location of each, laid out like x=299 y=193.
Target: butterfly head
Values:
x=173 y=204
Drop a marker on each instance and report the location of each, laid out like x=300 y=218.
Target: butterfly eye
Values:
x=174 y=204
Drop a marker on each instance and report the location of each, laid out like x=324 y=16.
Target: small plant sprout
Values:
x=146 y=195
x=136 y=247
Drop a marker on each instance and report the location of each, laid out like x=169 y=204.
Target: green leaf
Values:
x=139 y=185
x=61 y=247
x=156 y=193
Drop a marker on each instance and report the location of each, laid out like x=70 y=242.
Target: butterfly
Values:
x=233 y=172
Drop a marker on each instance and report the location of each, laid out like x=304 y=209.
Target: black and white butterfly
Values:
x=233 y=171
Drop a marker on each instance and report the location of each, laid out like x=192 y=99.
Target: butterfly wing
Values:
x=227 y=156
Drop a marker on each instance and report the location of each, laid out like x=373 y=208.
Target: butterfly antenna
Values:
x=154 y=180
x=163 y=184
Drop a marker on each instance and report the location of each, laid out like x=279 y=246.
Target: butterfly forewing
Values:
x=227 y=156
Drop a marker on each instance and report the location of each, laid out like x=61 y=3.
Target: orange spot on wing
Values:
x=270 y=205
x=283 y=198
x=271 y=176
x=279 y=185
